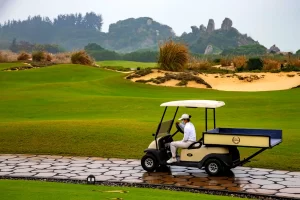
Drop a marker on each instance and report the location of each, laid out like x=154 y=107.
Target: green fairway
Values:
x=19 y=189
x=126 y=64
x=87 y=111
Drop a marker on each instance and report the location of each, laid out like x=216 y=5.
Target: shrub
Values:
x=117 y=68
x=62 y=57
x=255 y=64
x=81 y=57
x=239 y=62
x=23 y=56
x=295 y=62
x=49 y=57
x=39 y=64
x=225 y=62
x=1 y=57
x=39 y=56
x=270 y=64
x=198 y=64
x=182 y=83
x=217 y=60
x=8 y=56
x=173 y=56
x=140 y=73
x=290 y=68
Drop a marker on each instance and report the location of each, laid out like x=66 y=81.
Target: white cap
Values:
x=184 y=116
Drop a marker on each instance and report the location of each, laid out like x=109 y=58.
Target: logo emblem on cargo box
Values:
x=189 y=155
x=236 y=140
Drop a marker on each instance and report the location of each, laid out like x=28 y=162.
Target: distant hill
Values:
x=253 y=49
x=75 y=31
x=133 y=34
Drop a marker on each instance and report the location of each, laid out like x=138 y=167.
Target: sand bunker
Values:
x=236 y=82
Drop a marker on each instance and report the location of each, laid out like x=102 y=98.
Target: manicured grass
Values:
x=87 y=111
x=126 y=64
x=19 y=189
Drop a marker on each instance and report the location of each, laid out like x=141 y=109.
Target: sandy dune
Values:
x=230 y=82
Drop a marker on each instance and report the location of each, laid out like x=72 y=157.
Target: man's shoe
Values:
x=171 y=160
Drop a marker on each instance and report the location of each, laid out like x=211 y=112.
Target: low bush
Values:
x=39 y=56
x=81 y=57
x=23 y=56
x=117 y=68
x=239 y=63
x=49 y=57
x=140 y=73
x=182 y=83
x=8 y=56
x=2 y=59
x=255 y=64
x=225 y=62
x=39 y=64
x=295 y=62
x=271 y=64
x=198 y=64
x=62 y=57
x=217 y=60
x=290 y=68
x=183 y=77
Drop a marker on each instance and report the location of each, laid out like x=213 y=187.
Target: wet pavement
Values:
x=243 y=179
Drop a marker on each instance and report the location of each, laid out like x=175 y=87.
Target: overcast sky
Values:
x=268 y=21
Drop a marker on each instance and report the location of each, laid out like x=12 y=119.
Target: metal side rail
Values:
x=245 y=160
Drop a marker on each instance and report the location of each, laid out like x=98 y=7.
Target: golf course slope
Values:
x=86 y=111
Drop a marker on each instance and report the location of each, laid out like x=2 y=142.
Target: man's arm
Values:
x=181 y=125
x=186 y=134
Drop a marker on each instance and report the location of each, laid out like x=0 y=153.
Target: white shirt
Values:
x=189 y=132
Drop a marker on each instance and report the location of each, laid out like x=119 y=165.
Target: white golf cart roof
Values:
x=195 y=103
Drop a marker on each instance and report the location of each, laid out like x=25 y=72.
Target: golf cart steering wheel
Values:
x=179 y=128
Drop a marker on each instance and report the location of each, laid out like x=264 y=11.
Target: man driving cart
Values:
x=188 y=138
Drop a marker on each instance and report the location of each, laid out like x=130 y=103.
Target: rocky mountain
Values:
x=209 y=40
x=274 y=49
x=76 y=31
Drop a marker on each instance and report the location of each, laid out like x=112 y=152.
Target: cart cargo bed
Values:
x=262 y=138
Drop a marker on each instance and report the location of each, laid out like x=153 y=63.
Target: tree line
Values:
x=62 y=29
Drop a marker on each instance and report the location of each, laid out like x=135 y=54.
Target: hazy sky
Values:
x=268 y=21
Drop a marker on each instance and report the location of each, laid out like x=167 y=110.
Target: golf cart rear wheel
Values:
x=149 y=163
x=214 y=167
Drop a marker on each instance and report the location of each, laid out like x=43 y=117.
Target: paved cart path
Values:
x=244 y=179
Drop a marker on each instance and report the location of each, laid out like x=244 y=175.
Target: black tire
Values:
x=149 y=163
x=214 y=167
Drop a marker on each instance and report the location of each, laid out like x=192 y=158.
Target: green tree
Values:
x=13 y=47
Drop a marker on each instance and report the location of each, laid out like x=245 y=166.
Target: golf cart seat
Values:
x=196 y=145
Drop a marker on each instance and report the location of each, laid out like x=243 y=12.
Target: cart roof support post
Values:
x=162 y=118
x=214 y=118
x=174 y=118
x=214 y=113
x=205 y=119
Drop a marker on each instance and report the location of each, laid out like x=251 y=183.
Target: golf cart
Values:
x=216 y=151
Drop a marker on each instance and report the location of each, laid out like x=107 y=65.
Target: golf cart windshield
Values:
x=165 y=128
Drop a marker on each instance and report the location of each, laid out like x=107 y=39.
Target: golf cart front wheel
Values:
x=149 y=163
x=214 y=167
